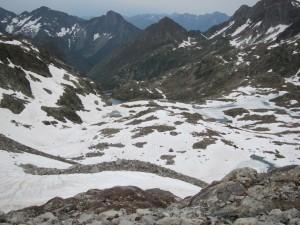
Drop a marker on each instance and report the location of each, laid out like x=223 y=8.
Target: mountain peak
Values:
x=260 y=23
x=168 y=24
x=113 y=14
x=42 y=9
x=166 y=21
x=165 y=30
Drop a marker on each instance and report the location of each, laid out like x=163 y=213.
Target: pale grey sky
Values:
x=128 y=7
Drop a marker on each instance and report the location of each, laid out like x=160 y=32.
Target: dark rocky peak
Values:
x=270 y=12
x=5 y=18
x=42 y=9
x=258 y=19
x=4 y=13
x=110 y=25
x=241 y=14
x=112 y=17
x=165 y=30
x=56 y=16
x=42 y=21
x=274 y=12
x=111 y=21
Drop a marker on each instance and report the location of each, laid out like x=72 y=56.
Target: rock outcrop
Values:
x=242 y=197
x=245 y=193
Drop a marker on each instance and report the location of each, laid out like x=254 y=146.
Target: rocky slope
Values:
x=34 y=84
x=186 y=20
x=242 y=197
x=80 y=43
x=146 y=58
x=259 y=45
x=261 y=23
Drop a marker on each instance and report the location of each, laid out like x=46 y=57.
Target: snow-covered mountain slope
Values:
x=19 y=190
x=68 y=128
x=258 y=46
x=36 y=89
x=80 y=43
x=42 y=21
x=170 y=135
x=263 y=23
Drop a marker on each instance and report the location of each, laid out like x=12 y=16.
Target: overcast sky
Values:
x=128 y=7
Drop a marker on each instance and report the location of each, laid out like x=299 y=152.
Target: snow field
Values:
x=19 y=190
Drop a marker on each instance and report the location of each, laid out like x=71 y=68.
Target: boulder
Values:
x=239 y=193
x=247 y=221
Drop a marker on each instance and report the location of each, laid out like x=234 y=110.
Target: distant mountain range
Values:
x=83 y=43
x=80 y=43
x=186 y=20
x=189 y=66
x=184 y=65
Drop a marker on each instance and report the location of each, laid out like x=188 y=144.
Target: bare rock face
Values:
x=245 y=193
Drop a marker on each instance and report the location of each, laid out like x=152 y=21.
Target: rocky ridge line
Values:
x=10 y=145
x=119 y=165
